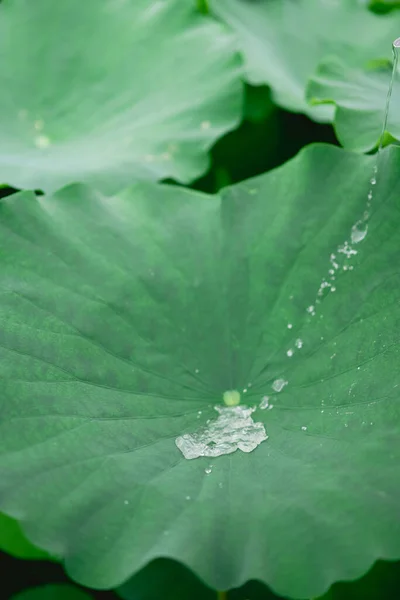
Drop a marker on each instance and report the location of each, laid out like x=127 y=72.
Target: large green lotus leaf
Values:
x=360 y=99
x=284 y=40
x=14 y=542
x=52 y=592
x=125 y=319
x=108 y=92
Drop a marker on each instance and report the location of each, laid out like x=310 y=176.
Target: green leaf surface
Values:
x=168 y=580
x=125 y=319
x=53 y=592
x=360 y=99
x=13 y=541
x=108 y=92
x=283 y=41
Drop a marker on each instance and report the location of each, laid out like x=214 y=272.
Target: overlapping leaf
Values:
x=283 y=41
x=124 y=320
x=360 y=99
x=52 y=592
x=106 y=92
x=14 y=542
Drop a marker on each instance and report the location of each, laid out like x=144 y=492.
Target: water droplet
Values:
x=244 y=390
x=189 y=497
x=220 y=485
x=373 y=181
x=290 y=353
x=299 y=343
x=249 y=385
x=370 y=195
x=279 y=384
x=333 y=289
x=205 y=125
x=126 y=501
x=359 y=232
x=231 y=397
x=42 y=141
x=264 y=402
x=289 y=325
x=234 y=429
x=197 y=370
x=304 y=428
x=208 y=470
x=270 y=407
x=311 y=310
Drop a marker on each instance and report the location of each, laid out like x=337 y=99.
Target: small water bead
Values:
x=333 y=289
x=311 y=310
x=290 y=353
x=231 y=397
x=359 y=232
x=197 y=370
x=205 y=125
x=208 y=470
x=42 y=142
x=304 y=428
x=188 y=497
x=264 y=402
x=373 y=181
x=289 y=325
x=126 y=501
x=299 y=343
x=244 y=390
x=279 y=384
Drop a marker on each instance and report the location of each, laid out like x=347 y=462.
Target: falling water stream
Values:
x=234 y=429
x=395 y=52
x=360 y=228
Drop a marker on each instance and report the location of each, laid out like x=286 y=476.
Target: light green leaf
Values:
x=14 y=542
x=360 y=99
x=53 y=592
x=283 y=41
x=108 y=92
x=124 y=321
x=165 y=579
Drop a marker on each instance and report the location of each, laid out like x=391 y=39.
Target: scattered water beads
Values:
x=299 y=343
x=311 y=310
x=234 y=429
